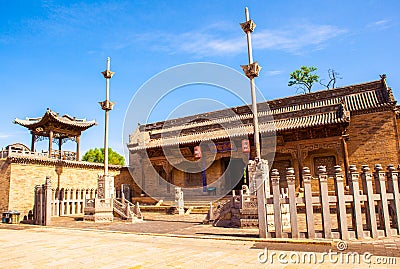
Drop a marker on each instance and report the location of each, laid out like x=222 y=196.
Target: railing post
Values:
x=47 y=201
x=36 y=206
x=323 y=189
x=341 y=203
x=290 y=178
x=73 y=201
x=369 y=205
x=383 y=203
x=355 y=191
x=308 y=202
x=393 y=186
x=276 y=203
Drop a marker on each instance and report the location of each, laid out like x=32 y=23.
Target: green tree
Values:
x=97 y=156
x=304 y=78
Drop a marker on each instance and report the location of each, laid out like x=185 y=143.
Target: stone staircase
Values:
x=195 y=206
x=126 y=210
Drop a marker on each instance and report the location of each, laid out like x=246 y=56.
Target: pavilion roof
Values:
x=63 y=123
x=320 y=108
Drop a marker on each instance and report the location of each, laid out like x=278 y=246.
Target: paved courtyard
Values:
x=176 y=242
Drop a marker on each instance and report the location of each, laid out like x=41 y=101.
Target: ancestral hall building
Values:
x=357 y=124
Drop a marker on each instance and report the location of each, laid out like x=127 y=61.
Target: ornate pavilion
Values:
x=57 y=129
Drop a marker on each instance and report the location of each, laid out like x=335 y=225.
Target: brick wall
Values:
x=24 y=176
x=373 y=139
x=124 y=177
x=5 y=171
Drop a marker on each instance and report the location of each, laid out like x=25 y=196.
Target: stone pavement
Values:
x=172 y=241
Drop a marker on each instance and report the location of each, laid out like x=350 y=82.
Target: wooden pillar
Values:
x=344 y=140
x=142 y=174
x=59 y=148
x=300 y=166
x=33 y=142
x=50 y=142
x=78 y=142
x=168 y=175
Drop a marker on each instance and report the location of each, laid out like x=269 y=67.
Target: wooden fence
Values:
x=368 y=207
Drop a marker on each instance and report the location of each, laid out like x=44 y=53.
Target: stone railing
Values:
x=369 y=208
x=55 y=154
x=50 y=202
x=69 y=202
x=126 y=209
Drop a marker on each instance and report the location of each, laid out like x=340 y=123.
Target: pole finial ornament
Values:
x=106 y=105
x=251 y=70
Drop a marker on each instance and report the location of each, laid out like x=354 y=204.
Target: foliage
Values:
x=304 y=78
x=97 y=156
x=333 y=76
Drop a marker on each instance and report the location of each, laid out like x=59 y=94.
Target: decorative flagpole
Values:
x=102 y=207
x=106 y=105
x=251 y=71
x=259 y=181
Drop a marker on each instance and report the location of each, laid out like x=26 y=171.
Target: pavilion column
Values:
x=33 y=142
x=50 y=142
x=59 y=147
x=78 y=142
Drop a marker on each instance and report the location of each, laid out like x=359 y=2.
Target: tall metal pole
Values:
x=251 y=71
x=106 y=105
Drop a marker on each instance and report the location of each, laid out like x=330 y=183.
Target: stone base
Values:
x=100 y=210
x=181 y=211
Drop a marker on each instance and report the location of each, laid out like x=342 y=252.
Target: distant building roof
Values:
x=320 y=108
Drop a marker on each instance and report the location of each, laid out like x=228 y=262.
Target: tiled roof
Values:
x=81 y=124
x=300 y=111
x=21 y=158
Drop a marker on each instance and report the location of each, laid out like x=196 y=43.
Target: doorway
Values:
x=234 y=173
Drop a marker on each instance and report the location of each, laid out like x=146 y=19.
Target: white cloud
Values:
x=272 y=73
x=209 y=43
x=73 y=18
x=297 y=38
x=381 y=24
x=4 y=135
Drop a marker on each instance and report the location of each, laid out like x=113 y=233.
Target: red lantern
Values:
x=197 y=152
x=245 y=146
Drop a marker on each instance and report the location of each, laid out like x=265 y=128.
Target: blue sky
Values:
x=52 y=52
